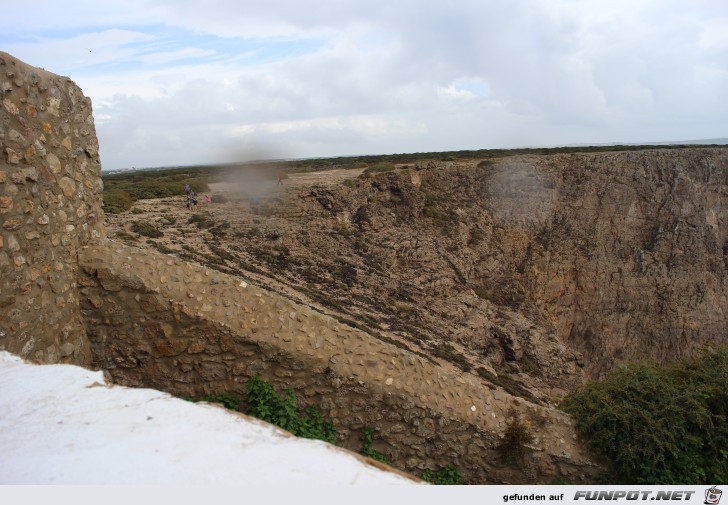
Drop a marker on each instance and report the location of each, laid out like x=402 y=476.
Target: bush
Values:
x=264 y=403
x=227 y=400
x=366 y=446
x=659 y=425
x=448 y=476
x=117 y=201
x=146 y=229
x=123 y=189
x=380 y=167
x=515 y=439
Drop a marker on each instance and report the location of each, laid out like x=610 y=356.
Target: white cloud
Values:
x=179 y=80
x=185 y=53
x=84 y=50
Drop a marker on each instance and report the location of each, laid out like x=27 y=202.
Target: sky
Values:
x=182 y=82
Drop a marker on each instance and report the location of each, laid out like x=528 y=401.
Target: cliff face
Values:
x=533 y=272
x=616 y=255
x=632 y=260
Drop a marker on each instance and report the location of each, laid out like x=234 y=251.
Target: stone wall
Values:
x=50 y=205
x=156 y=321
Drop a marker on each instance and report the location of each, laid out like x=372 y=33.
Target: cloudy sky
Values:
x=179 y=82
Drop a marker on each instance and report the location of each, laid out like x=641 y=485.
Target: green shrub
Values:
x=264 y=403
x=117 y=201
x=227 y=400
x=380 y=167
x=146 y=229
x=659 y=425
x=366 y=446
x=137 y=210
x=448 y=476
x=197 y=218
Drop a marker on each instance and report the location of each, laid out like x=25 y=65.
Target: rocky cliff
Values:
x=531 y=272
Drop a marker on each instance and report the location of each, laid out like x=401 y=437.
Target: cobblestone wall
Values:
x=50 y=205
x=156 y=321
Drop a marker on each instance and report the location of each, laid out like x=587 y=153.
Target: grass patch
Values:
x=366 y=446
x=126 y=236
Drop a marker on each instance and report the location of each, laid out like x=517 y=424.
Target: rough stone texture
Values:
x=631 y=258
x=155 y=321
x=582 y=260
x=534 y=272
x=50 y=205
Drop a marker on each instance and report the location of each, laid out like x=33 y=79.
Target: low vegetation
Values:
x=514 y=444
x=366 y=446
x=282 y=410
x=354 y=162
x=447 y=476
x=383 y=166
x=264 y=403
x=146 y=229
x=659 y=425
x=121 y=190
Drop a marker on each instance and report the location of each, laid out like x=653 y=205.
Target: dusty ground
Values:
x=398 y=281
x=182 y=238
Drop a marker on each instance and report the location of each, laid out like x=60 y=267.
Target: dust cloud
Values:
x=517 y=194
x=252 y=180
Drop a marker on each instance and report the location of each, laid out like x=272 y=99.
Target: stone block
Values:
x=6 y=204
x=67 y=349
x=197 y=347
